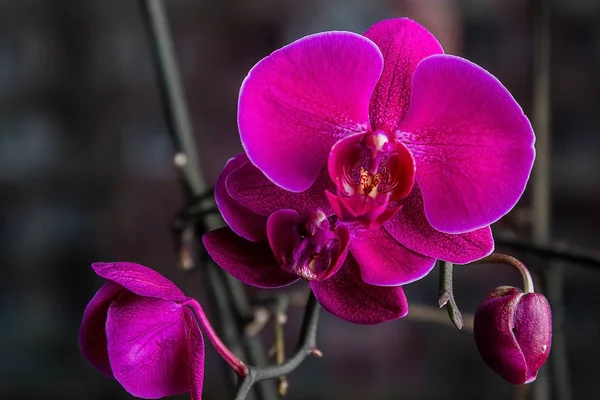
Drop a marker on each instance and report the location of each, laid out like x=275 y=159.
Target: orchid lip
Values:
x=313 y=248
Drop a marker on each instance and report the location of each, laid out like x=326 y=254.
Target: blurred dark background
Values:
x=86 y=175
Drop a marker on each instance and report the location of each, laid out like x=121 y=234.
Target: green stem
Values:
x=446 y=295
x=497 y=258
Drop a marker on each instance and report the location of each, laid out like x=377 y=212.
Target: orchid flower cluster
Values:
x=367 y=159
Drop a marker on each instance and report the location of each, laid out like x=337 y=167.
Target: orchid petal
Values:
x=250 y=262
x=402 y=171
x=403 y=43
x=385 y=262
x=346 y=296
x=297 y=102
x=92 y=333
x=494 y=324
x=147 y=346
x=253 y=190
x=240 y=219
x=471 y=141
x=344 y=153
x=412 y=229
x=140 y=280
x=195 y=351
x=339 y=207
x=283 y=235
x=343 y=234
x=533 y=331
x=364 y=209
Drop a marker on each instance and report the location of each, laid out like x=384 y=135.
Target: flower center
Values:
x=368 y=182
x=370 y=171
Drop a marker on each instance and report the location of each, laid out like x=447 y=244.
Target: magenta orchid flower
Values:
x=138 y=330
x=427 y=144
x=376 y=150
x=409 y=154
x=276 y=237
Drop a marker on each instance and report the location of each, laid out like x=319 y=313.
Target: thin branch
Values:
x=224 y=317
x=557 y=251
x=541 y=200
x=172 y=96
x=278 y=326
x=306 y=346
x=252 y=346
x=553 y=274
x=446 y=294
x=186 y=159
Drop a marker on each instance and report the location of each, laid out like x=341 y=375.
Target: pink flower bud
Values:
x=513 y=332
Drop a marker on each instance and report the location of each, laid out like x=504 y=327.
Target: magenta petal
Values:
x=283 y=235
x=253 y=190
x=240 y=219
x=140 y=280
x=411 y=228
x=344 y=153
x=343 y=234
x=402 y=171
x=369 y=212
x=385 y=262
x=471 y=141
x=92 y=333
x=297 y=102
x=250 y=262
x=404 y=43
x=346 y=296
x=493 y=332
x=338 y=207
x=195 y=352
x=147 y=346
x=533 y=331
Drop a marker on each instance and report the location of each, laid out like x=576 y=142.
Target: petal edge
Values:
x=347 y=297
x=411 y=228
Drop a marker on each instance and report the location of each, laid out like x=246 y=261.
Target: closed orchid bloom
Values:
x=430 y=146
x=138 y=330
x=276 y=237
x=513 y=332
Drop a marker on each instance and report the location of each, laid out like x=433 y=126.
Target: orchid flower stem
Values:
x=236 y=364
x=496 y=258
x=306 y=346
x=280 y=321
x=446 y=294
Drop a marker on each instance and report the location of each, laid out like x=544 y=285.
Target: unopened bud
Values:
x=513 y=332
